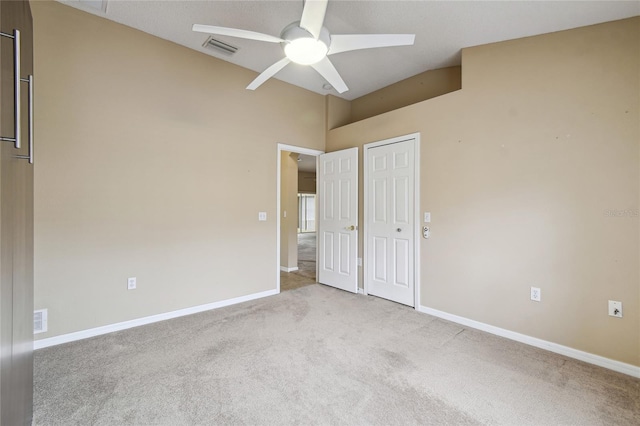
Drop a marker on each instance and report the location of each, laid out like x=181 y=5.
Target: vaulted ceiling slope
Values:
x=442 y=29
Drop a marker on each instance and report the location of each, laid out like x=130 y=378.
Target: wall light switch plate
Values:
x=427 y=217
x=131 y=283
x=615 y=309
x=262 y=216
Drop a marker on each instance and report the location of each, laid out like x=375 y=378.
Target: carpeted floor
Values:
x=317 y=355
x=306 y=273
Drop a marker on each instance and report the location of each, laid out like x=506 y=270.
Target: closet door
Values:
x=16 y=222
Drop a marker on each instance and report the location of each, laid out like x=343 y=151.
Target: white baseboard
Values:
x=84 y=334
x=360 y=290
x=598 y=360
x=285 y=269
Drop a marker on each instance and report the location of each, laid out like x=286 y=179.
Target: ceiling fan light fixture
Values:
x=306 y=51
x=308 y=42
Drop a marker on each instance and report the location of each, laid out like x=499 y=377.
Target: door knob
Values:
x=399 y=230
x=351 y=228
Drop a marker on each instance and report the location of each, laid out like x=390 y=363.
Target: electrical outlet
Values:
x=131 y=283
x=535 y=294
x=615 y=309
x=40 y=321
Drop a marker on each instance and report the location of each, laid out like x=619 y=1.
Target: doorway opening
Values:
x=297 y=207
x=307 y=212
x=307 y=241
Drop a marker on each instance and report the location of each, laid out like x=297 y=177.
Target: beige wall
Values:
x=307 y=182
x=418 y=88
x=518 y=170
x=153 y=161
x=289 y=206
x=338 y=112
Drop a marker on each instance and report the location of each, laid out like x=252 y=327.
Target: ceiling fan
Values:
x=308 y=42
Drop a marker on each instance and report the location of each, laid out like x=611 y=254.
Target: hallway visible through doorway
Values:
x=306 y=273
x=296 y=221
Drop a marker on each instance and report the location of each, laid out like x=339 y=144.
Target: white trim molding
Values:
x=620 y=367
x=92 y=332
x=285 y=269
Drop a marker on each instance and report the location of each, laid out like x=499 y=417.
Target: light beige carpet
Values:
x=306 y=273
x=317 y=355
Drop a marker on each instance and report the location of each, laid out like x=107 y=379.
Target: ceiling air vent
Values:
x=100 y=5
x=220 y=46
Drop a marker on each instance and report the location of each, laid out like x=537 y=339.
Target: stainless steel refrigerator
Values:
x=16 y=213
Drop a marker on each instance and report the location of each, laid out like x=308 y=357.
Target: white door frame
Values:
x=416 y=216
x=297 y=150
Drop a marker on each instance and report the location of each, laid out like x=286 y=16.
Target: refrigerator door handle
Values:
x=29 y=156
x=16 y=87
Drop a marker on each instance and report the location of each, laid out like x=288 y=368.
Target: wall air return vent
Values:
x=220 y=46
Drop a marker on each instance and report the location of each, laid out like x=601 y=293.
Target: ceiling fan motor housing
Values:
x=301 y=47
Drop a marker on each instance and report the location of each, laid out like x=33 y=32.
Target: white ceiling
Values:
x=442 y=29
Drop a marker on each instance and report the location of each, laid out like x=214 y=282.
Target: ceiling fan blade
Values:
x=313 y=16
x=234 y=32
x=268 y=73
x=326 y=69
x=347 y=42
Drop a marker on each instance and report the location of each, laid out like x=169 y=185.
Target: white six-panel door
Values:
x=390 y=233
x=338 y=219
